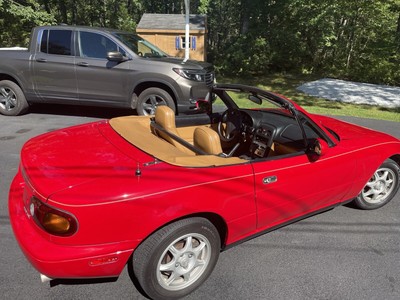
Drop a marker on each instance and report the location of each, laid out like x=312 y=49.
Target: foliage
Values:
x=17 y=20
x=357 y=39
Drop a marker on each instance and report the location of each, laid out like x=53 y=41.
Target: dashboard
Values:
x=265 y=128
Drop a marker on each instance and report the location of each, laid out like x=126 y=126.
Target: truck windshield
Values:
x=139 y=45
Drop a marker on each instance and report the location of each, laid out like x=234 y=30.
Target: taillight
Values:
x=52 y=220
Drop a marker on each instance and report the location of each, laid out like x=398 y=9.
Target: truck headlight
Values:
x=191 y=74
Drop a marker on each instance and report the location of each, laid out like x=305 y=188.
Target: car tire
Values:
x=381 y=188
x=177 y=259
x=150 y=98
x=12 y=99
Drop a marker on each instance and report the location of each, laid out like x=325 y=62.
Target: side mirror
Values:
x=116 y=56
x=319 y=147
x=203 y=106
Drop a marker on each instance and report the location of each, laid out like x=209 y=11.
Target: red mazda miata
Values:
x=166 y=194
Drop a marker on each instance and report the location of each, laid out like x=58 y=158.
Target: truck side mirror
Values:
x=116 y=56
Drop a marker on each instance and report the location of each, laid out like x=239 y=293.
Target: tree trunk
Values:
x=63 y=12
x=245 y=17
x=398 y=33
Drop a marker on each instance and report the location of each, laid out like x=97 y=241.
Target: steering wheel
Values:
x=229 y=126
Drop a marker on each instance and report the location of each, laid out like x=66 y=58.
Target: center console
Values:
x=262 y=140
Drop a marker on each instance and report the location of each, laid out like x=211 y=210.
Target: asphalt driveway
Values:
x=344 y=253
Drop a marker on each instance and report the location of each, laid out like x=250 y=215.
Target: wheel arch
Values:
x=139 y=88
x=396 y=158
x=219 y=224
x=4 y=76
x=214 y=218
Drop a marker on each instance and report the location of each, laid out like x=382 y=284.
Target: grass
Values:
x=287 y=84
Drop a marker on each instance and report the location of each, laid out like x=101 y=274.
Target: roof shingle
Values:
x=171 y=21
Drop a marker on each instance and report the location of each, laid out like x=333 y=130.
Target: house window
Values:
x=180 y=42
x=183 y=43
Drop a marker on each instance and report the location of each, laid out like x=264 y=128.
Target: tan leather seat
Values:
x=165 y=117
x=207 y=140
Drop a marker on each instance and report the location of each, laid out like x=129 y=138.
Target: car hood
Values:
x=66 y=158
x=350 y=132
x=191 y=64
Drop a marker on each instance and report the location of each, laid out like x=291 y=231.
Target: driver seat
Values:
x=165 y=117
x=207 y=140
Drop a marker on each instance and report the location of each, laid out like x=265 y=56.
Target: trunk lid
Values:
x=77 y=155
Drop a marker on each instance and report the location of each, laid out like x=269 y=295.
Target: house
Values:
x=167 y=31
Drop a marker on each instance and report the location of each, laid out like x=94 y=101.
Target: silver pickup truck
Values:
x=98 y=67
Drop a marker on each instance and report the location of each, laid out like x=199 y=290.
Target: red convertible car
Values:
x=167 y=194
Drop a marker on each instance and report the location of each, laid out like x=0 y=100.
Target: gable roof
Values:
x=171 y=21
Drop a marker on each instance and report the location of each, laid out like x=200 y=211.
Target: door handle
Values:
x=41 y=60
x=270 y=179
x=83 y=64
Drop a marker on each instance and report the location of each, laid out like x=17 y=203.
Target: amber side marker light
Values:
x=52 y=220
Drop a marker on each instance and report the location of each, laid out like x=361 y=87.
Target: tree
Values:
x=17 y=20
x=357 y=39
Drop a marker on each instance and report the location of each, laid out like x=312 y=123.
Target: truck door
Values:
x=54 y=66
x=98 y=78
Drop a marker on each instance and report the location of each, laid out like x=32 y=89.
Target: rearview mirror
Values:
x=255 y=99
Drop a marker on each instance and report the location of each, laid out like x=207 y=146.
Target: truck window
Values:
x=56 y=42
x=139 y=45
x=95 y=45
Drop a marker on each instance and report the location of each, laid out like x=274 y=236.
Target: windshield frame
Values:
x=130 y=39
x=282 y=106
x=274 y=101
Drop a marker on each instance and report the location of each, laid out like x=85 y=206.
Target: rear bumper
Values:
x=63 y=261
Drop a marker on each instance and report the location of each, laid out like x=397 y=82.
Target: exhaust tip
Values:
x=45 y=279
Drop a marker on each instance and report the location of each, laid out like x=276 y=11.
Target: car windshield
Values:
x=251 y=100
x=139 y=45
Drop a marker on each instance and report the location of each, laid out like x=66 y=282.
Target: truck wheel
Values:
x=177 y=259
x=12 y=99
x=150 y=98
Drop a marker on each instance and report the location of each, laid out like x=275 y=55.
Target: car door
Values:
x=99 y=79
x=290 y=186
x=54 y=66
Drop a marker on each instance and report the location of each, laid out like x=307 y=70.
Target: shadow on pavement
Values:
x=56 y=282
x=80 y=111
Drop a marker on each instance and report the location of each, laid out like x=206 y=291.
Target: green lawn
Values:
x=287 y=84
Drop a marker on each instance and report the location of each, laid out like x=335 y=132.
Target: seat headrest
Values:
x=165 y=117
x=207 y=140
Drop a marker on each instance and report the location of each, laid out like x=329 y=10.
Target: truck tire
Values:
x=150 y=98
x=12 y=99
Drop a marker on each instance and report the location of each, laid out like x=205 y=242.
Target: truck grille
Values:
x=209 y=79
